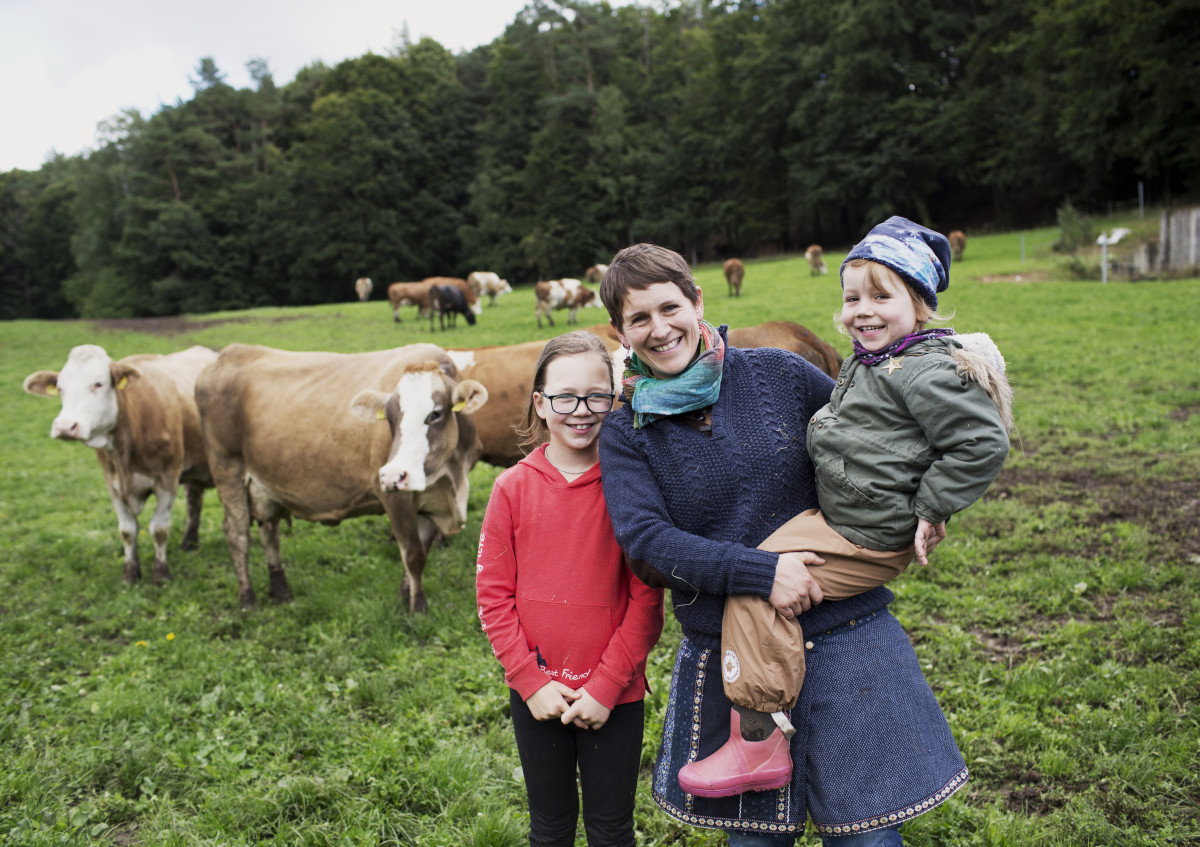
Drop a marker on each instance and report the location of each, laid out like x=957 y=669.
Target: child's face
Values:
x=876 y=317
x=580 y=374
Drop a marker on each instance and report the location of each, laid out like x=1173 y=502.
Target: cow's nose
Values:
x=394 y=481
x=65 y=429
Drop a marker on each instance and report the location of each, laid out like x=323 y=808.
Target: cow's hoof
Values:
x=133 y=573
x=280 y=591
x=247 y=601
x=161 y=573
x=419 y=605
x=190 y=542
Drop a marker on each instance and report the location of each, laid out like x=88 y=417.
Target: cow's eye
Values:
x=434 y=416
x=96 y=386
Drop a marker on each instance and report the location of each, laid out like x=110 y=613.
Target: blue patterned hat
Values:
x=920 y=256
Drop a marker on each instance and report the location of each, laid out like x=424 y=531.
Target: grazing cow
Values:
x=462 y=285
x=140 y=416
x=506 y=372
x=816 y=259
x=734 y=273
x=409 y=294
x=362 y=287
x=486 y=282
x=447 y=300
x=595 y=274
x=563 y=294
x=329 y=436
x=958 y=243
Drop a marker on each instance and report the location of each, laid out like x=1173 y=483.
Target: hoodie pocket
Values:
x=569 y=637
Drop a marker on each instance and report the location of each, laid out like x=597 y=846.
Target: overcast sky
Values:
x=67 y=65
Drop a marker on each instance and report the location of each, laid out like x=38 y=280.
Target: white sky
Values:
x=68 y=65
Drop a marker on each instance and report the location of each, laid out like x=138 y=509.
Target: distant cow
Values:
x=958 y=243
x=447 y=300
x=409 y=294
x=734 y=272
x=329 y=436
x=563 y=294
x=486 y=282
x=816 y=259
x=595 y=274
x=140 y=416
x=462 y=285
x=506 y=372
x=362 y=287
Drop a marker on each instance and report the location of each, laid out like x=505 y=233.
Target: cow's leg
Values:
x=396 y=314
x=573 y=315
x=268 y=533
x=127 y=525
x=406 y=529
x=160 y=527
x=229 y=474
x=195 y=501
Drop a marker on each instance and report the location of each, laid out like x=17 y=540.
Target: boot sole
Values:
x=734 y=790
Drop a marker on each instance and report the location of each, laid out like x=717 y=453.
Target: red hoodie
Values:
x=555 y=598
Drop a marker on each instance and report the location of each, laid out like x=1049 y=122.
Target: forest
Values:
x=716 y=127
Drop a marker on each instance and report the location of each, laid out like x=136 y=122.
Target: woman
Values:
x=705 y=461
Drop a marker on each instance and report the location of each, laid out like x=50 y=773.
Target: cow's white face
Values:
x=89 y=398
x=417 y=408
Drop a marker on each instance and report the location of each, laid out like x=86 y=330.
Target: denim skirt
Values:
x=872 y=748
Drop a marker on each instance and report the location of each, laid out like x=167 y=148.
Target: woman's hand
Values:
x=587 y=712
x=795 y=591
x=928 y=536
x=551 y=700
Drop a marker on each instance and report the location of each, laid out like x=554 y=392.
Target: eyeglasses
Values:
x=566 y=404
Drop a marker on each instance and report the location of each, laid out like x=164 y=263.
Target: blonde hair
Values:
x=882 y=278
x=533 y=430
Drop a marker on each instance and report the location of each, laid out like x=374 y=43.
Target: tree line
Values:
x=714 y=126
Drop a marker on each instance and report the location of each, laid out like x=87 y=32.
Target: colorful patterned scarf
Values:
x=695 y=388
x=872 y=358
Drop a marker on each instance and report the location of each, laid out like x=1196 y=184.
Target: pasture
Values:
x=1059 y=623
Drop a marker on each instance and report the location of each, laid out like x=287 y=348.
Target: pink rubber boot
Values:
x=739 y=765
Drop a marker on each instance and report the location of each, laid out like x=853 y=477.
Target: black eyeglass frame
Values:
x=586 y=399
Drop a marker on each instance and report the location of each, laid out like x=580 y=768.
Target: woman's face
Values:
x=662 y=326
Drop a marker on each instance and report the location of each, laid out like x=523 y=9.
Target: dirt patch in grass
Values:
x=176 y=325
x=1169 y=509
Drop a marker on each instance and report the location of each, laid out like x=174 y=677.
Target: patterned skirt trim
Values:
x=900 y=815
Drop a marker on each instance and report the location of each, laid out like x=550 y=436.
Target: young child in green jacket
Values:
x=915 y=431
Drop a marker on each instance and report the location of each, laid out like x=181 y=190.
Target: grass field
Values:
x=1059 y=624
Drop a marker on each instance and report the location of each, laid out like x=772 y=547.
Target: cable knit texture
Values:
x=696 y=505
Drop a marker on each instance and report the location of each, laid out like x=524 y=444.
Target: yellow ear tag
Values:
x=459 y=406
x=380 y=414
x=124 y=382
x=52 y=390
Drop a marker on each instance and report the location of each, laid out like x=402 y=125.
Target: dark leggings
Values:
x=608 y=759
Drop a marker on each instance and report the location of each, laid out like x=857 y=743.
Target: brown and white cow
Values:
x=363 y=287
x=735 y=272
x=563 y=294
x=958 y=243
x=329 y=436
x=409 y=294
x=595 y=274
x=816 y=260
x=140 y=416
x=506 y=373
x=486 y=282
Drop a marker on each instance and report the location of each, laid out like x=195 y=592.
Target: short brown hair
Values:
x=533 y=430
x=640 y=266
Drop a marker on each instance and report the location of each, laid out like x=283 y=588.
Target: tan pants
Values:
x=762 y=651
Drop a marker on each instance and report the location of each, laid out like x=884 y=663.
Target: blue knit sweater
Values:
x=696 y=505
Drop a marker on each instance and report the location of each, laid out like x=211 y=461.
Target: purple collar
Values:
x=872 y=358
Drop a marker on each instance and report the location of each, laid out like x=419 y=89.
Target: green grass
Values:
x=1059 y=623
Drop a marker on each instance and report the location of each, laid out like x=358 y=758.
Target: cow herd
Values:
x=323 y=436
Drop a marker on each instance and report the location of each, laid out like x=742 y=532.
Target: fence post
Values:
x=1022 y=248
x=1141 y=199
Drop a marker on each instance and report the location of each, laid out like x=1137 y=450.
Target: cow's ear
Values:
x=122 y=375
x=370 y=405
x=469 y=396
x=42 y=383
x=448 y=368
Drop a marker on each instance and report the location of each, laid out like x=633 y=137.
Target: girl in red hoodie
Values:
x=567 y=620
